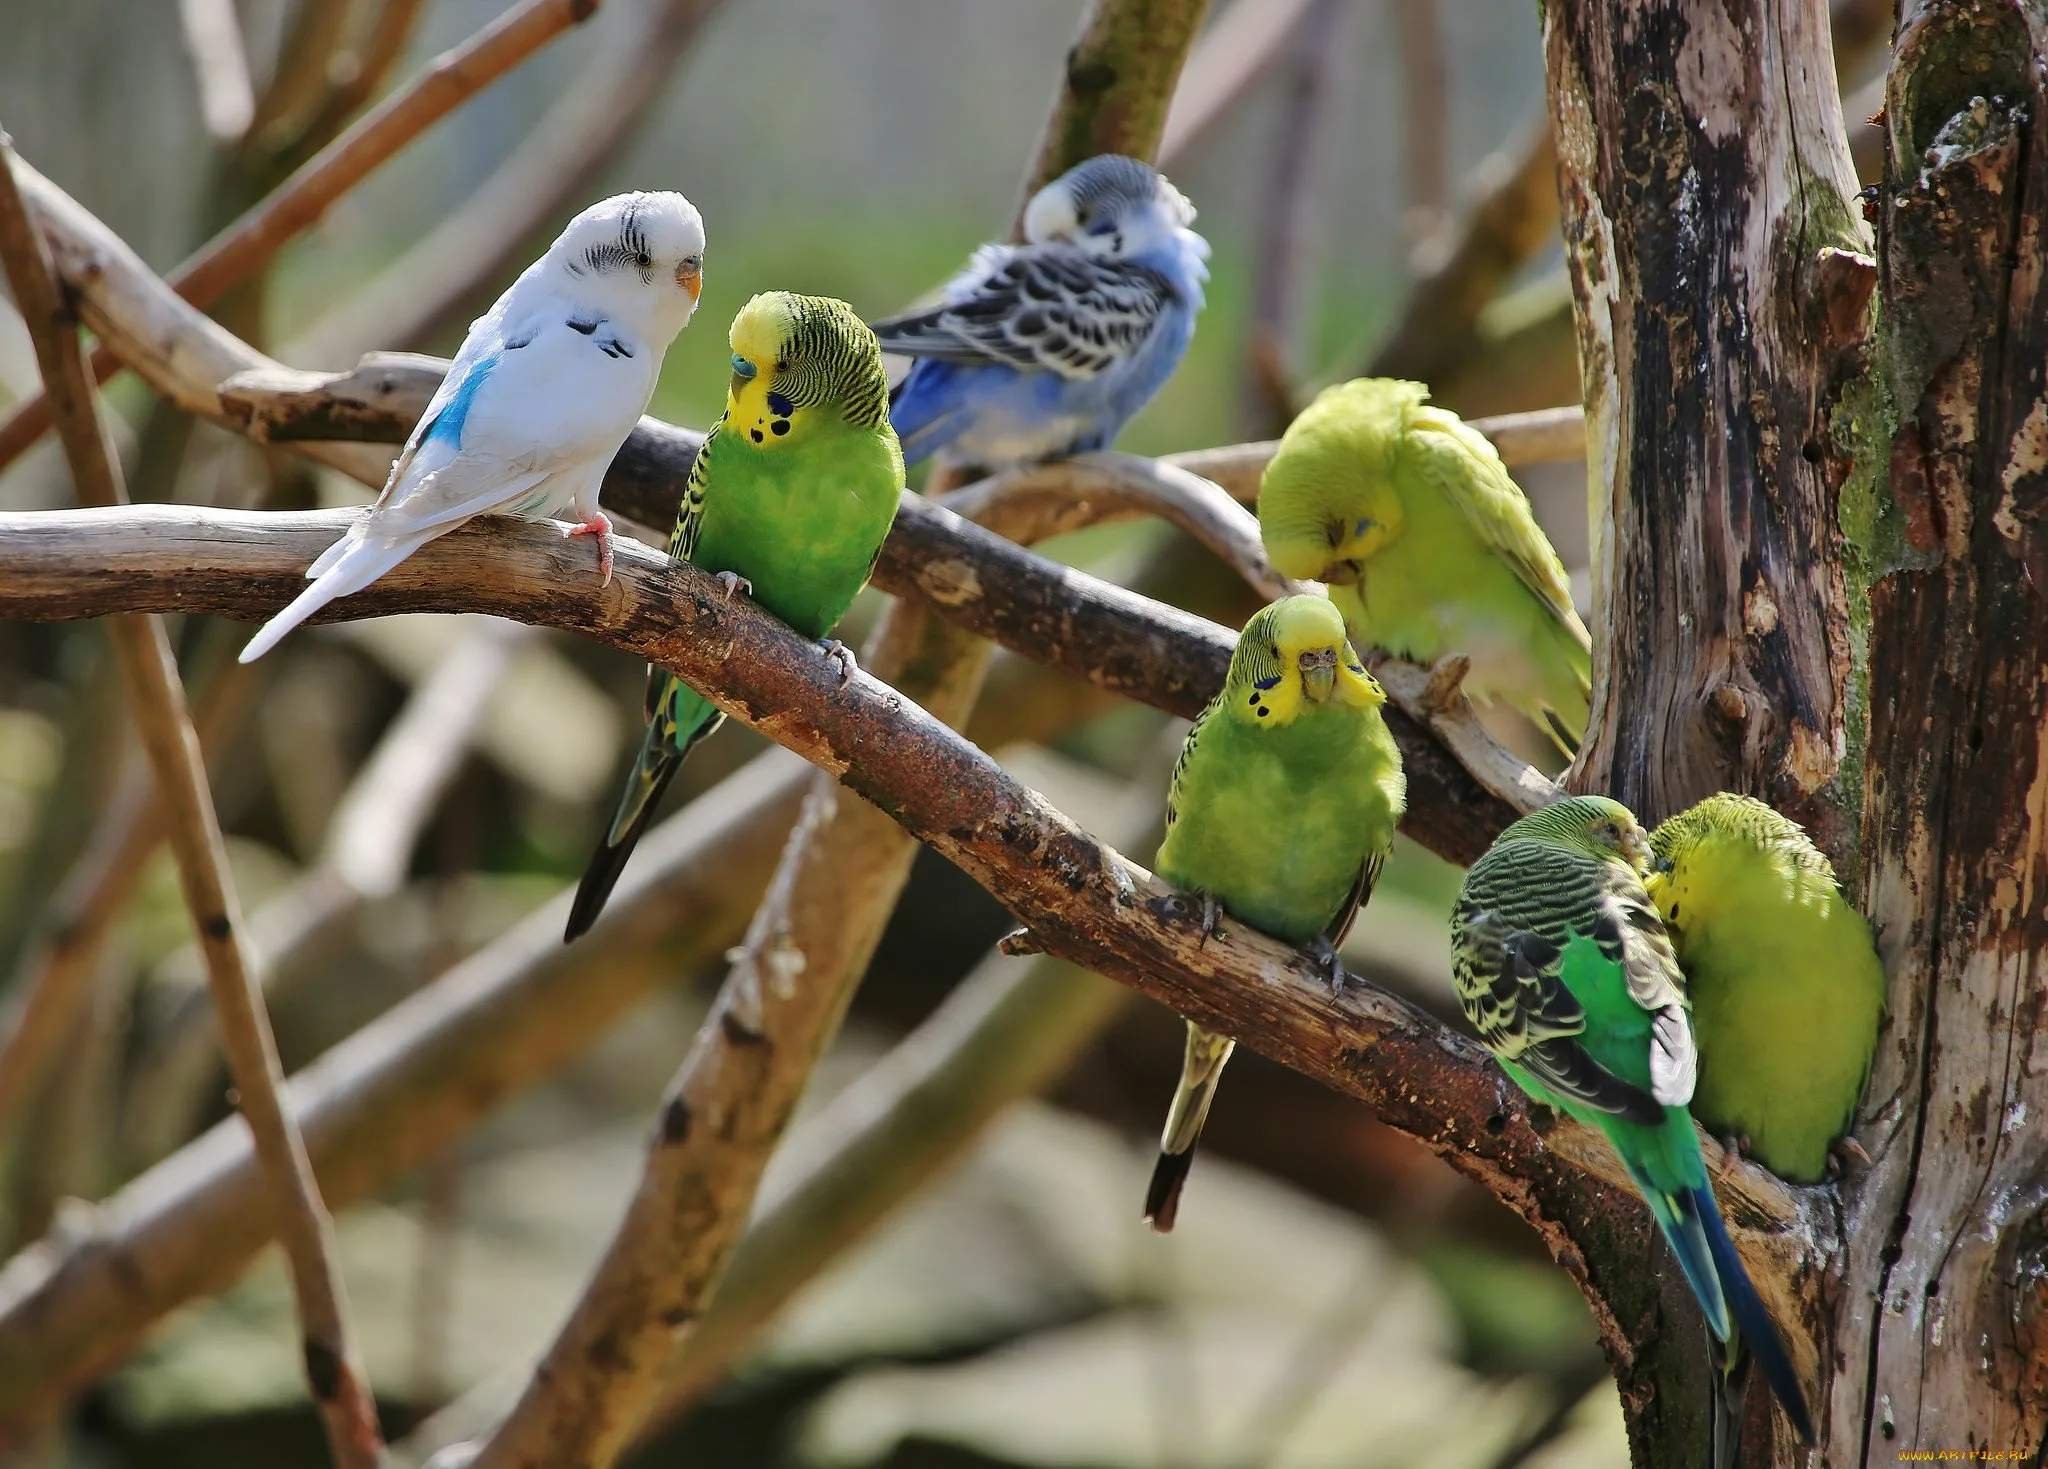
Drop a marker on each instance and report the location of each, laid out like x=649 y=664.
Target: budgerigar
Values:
x=789 y=501
x=1787 y=989
x=1566 y=971
x=1283 y=806
x=1043 y=350
x=546 y=387
x=1429 y=548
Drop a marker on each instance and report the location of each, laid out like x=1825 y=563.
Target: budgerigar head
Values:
x=1596 y=826
x=1293 y=656
x=1332 y=486
x=1743 y=821
x=638 y=257
x=1110 y=205
x=801 y=362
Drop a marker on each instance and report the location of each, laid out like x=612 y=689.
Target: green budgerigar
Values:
x=1568 y=974
x=789 y=501
x=1787 y=989
x=1428 y=547
x=1282 y=810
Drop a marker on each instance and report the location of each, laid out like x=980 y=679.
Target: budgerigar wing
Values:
x=1462 y=466
x=1046 y=309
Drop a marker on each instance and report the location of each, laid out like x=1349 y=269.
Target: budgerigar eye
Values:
x=643 y=260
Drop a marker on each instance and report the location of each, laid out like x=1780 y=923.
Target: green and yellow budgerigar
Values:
x=1787 y=989
x=789 y=501
x=1566 y=971
x=1429 y=548
x=1282 y=809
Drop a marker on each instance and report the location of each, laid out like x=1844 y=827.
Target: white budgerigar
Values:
x=547 y=386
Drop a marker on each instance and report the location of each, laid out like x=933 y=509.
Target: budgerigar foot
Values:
x=1441 y=695
x=1208 y=912
x=839 y=653
x=598 y=524
x=1734 y=1147
x=1844 y=1151
x=1325 y=954
x=732 y=581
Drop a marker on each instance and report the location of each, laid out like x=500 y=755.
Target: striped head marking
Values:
x=1109 y=205
x=1596 y=826
x=798 y=360
x=638 y=257
x=1294 y=656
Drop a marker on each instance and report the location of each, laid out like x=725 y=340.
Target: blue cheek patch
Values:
x=1360 y=526
x=780 y=406
x=1267 y=683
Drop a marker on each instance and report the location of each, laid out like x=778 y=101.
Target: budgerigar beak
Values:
x=690 y=276
x=1635 y=846
x=1318 y=674
x=1339 y=574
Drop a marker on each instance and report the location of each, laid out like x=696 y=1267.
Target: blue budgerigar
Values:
x=1046 y=349
x=546 y=387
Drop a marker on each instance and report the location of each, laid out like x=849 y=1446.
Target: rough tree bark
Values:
x=1819 y=573
x=1949 y=1233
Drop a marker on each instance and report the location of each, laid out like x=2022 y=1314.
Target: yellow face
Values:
x=753 y=407
x=1313 y=664
x=1353 y=542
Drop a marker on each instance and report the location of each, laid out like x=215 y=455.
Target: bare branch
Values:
x=1232 y=55
x=482 y=240
x=1425 y=80
x=213 y=39
x=354 y=75
x=299 y=83
x=1512 y=216
x=449 y=80
x=340 y=1391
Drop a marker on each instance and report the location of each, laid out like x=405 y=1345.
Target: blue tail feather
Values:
x=1752 y=1320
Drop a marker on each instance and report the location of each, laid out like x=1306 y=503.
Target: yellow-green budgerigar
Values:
x=1428 y=547
x=1568 y=974
x=1282 y=809
x=789 y=500
x=1787 y=989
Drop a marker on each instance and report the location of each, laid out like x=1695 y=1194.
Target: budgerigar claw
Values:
x=733 y=582
x=1325 y=954
x=598 y=524
x=1208 y=911
x=1446 y=683
x=1844 y=1151
x=839 y=653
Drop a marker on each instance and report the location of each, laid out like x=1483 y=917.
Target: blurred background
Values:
x=399 y=794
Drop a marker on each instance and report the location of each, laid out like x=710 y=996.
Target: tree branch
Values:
x=340 y=1392
x=449 y=80
x=220 y=66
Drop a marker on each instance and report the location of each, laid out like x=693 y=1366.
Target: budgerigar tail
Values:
x=360 y=561
x=1752 y=1320
x=661 y=756
x=1730 y=1384
x=1678 y=1218
x=1201 y=1071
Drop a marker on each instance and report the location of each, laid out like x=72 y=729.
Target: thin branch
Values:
x=354 y=77
x=220 y=66
x=1287 y=212
x=487 y=236
x=448 y=81
x=1080 y=900
x=1425 y=151
x=1512 y=216
x=298 y=83
x=340 y=1391
x=1237 y=49
x=368 y=847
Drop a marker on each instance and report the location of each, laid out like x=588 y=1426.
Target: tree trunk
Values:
x=1741 y=416
x=1948 y=1234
